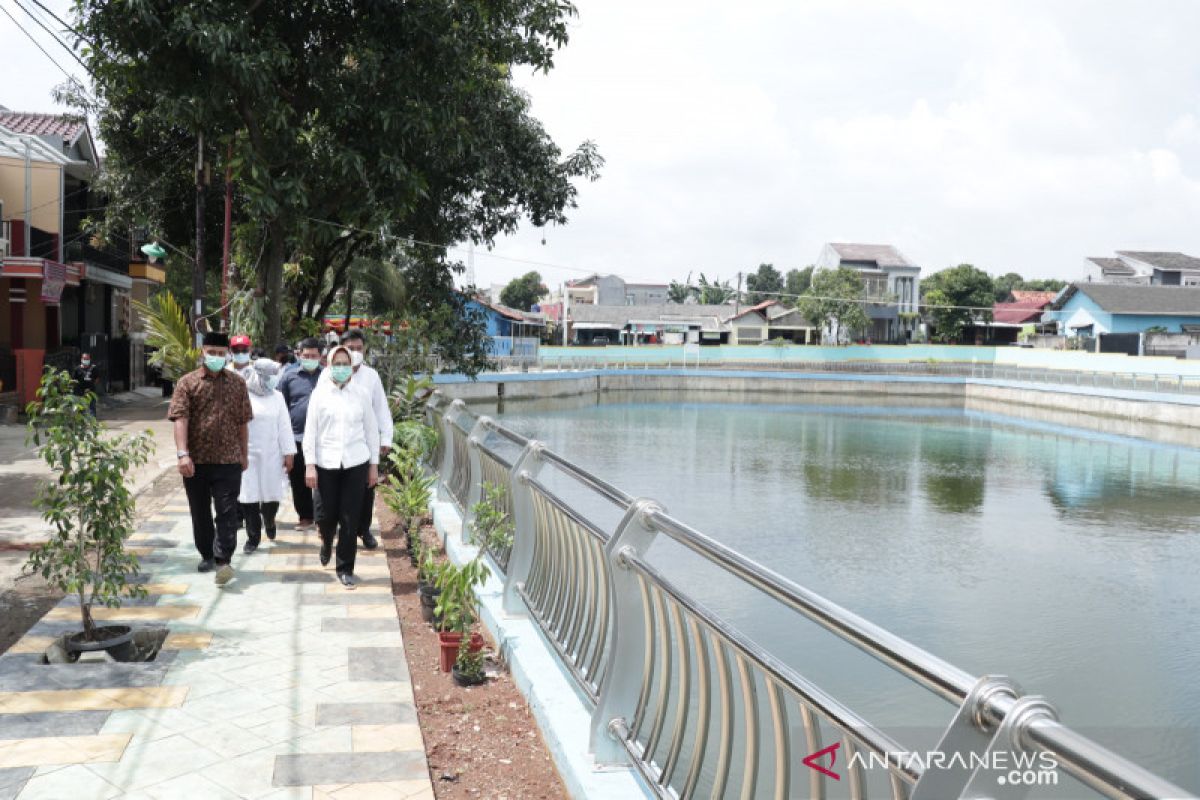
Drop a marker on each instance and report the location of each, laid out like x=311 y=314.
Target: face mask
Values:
x=241 y=359
x=355 y=358
x=86 y=363
x=341 y=373
x=214 y=363
x=310 y=364
x=273 y=381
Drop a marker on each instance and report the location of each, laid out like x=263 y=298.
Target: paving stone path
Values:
x=281 y=685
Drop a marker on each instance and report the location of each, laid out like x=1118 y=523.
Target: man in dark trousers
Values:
x=296 y=387
x=211 y=412
x=85 y=380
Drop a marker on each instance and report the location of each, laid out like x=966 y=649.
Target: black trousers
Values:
x=342 y=493
x=302 y=496
x=368 y=512
x=258 y=516
x=214 y=486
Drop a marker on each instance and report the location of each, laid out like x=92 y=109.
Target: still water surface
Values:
x=1067 y=560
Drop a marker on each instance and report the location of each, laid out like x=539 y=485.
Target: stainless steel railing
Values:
x=690 y=701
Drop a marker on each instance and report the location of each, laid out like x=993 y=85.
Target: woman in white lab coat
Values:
x=272 y=446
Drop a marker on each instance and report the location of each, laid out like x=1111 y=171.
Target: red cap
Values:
x=240 y=341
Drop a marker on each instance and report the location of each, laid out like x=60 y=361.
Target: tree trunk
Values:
x=272 y=280
x=89 y=626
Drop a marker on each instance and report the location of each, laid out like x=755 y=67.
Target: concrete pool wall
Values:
x=1159 y=416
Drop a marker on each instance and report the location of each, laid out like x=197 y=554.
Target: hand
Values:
x=372 y=475
x=186 y=468
x=287 y=463
x=383 y=452
x=245 y=462
x=310 y=477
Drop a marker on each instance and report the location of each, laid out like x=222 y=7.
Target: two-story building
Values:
x=612 y=290
x=891 y=286
x=1146 y=268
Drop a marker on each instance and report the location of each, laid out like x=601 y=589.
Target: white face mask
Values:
x=356 y=358
x=273 y=381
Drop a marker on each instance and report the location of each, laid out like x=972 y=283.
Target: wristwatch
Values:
x=181 y=454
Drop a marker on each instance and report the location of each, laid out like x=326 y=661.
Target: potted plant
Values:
x=89 y=508
x=456 y=606
x=428 y=577
x=468 y=665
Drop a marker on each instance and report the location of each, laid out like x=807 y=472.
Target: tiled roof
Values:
x=39 y=124
x=1163 y=260
x=1032 y=299
x=1112 y=266
x=882 y=254
x=1123 y=298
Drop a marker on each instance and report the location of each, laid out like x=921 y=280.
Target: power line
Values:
x=62 y=22
x=37 y=44
x=694 y=288
x=54 y=36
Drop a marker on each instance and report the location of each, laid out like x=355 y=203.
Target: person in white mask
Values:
x=272 y=448
x=341 y=455
x=239 y=354
x=367 y=381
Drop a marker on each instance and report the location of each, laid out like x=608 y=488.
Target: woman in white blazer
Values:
x=341 y=456
x=272 y=447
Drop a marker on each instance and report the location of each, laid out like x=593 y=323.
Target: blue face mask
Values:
x=273 y=381
x=310 y=364
x=241 y=359
x=214 y=363
x=341 y=373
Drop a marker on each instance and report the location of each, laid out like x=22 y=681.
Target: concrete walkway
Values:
x=281 y=685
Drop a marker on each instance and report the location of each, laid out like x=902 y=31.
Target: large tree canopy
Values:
x=348 y=126
x=521 y=293
x=764 y=284
x=956 y=297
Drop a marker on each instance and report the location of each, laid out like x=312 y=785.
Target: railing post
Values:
x=627 y=634
x=475 y=484
x=447 y=466
x=520 y=560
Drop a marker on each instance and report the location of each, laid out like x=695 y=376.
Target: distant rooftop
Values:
x=42 y=124
x=1163 y=260
x=1112 y=266
x=1123 y=298
x=884 y=255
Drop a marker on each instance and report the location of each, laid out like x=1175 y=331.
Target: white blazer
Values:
x=340 y=429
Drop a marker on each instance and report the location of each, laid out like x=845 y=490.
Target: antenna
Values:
x=471 y=264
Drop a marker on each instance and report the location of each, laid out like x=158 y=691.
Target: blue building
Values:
x=512 y=332
x=1089 y=309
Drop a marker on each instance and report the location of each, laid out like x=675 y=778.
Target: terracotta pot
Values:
x=449 y=647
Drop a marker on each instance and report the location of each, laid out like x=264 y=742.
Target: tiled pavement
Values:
x=281 y=685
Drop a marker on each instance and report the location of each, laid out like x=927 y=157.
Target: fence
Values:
x=693 y=703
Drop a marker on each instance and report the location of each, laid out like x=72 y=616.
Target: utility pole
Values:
x=737 y=301
x=565 y=310
x=225 y=243
x=198 y=265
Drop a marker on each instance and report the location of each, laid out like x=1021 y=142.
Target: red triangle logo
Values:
x=831 y=751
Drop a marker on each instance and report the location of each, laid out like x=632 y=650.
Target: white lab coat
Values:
x=270 y=440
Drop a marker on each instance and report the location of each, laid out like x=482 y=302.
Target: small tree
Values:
x=834 y=301
x=764 y=284
x=89 y=506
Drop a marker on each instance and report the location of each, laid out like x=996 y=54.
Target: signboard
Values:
x=54 y=278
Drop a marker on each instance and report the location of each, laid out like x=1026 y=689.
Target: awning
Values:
x=100 y=275
x=596 y=326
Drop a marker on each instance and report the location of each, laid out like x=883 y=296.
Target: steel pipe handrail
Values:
x=1092 y=764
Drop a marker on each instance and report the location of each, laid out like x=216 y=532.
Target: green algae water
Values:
x=1065 y=559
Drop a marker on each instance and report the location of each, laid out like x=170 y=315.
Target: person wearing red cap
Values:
x=239 y=354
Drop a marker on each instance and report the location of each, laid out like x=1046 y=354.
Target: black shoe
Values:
x=270 y=534
x=206 y=565
x=347 y=579
x=369 y=541
x=249 y=548
x=326 y=553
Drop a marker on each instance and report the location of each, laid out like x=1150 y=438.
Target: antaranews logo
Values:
x=1010 y=768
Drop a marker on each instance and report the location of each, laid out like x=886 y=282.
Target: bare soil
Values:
x=482 y=741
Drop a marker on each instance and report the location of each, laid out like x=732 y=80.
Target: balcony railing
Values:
x=690 y=700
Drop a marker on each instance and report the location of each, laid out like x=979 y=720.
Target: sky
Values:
x=1017 y=136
